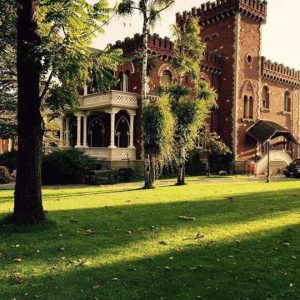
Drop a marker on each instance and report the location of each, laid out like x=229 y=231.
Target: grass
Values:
x=121 y=242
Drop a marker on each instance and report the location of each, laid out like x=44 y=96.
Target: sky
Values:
x=280 y=36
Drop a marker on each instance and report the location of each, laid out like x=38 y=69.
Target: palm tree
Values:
x=150 y=11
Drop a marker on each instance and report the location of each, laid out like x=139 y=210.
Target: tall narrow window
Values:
x=166 y=78
x=265 y=98
x=246 y=107
x=251 y=108
x=287 y=102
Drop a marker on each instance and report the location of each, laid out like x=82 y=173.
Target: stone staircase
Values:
x=279 y=159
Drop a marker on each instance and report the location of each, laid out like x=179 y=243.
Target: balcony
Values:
x=109 y=99
x=111 y=154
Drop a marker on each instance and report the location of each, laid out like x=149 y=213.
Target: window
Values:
x=287 y=102
x=166 y=78
x=124 y=82
x=265 y=98
x=215 y=36
x=248 y=107
x=249 y=59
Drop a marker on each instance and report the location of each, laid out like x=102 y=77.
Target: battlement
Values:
x=211 y=12
x=154 y=42
x=164 y=48
x=278 y=72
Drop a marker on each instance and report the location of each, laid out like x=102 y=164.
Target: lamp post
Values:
x=268 y=167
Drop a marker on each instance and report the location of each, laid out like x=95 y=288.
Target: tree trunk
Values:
x=148 y=178
x=147 y=163
x=181 y=171
x=28 y=199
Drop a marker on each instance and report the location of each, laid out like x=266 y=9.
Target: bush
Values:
x=220 y=163
x=66 y=167
x=9 y=160
x=4 y=175
x=126 y=174
x=194 y=165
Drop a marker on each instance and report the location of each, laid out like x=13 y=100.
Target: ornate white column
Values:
x=67 y=132
x=85 y=90
x=61 y=130
x=131 y=131
x=112 y=129
x=78 y=143
x=85 y=117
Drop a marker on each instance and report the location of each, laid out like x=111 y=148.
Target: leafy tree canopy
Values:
x=67 y=62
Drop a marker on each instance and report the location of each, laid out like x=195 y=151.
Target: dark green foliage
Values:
x=152 y=124
x=9 y=160
x=223 y=162
x=5 y=175
x=125 y=174
x=194 y=165
x=66 y=167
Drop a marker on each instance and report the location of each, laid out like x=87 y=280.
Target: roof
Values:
x=263 y=130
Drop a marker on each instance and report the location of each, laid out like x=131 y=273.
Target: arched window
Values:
x=251 y=108
x=265 y=97
x=166 y=78
x=124 y=82
x=287 y=102
x=96 y=133
x=248 y=107
x=122 y=133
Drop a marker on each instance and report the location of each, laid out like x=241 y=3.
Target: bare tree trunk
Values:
x=181 y=170
x=147 y=162
x=28 y=199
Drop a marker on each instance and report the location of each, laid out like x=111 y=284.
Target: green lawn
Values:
x=120 y=242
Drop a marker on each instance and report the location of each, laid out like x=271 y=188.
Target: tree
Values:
x=158 y=124
x=53 y=61
x=150 y=11
x=8 y=73
x=192 y=104
x=213 y=147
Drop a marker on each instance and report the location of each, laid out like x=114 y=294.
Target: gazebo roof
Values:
x=263 y=130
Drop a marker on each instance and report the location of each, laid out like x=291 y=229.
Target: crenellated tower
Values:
x=232 y=29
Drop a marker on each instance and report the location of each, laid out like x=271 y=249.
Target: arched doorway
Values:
x=96 y=133
x=73 y=133
x=122 y=132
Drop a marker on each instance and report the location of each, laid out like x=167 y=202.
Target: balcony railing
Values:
x=112 y=154
x=107 y=154
x=110 y=98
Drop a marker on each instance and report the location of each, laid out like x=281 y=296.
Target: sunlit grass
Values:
x=121 y=242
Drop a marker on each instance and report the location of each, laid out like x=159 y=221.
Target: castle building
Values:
x=258 y=100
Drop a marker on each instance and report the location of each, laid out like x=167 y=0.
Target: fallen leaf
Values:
x=185 y=218
x=199 y=235
x=97 y=286
x=164 y=243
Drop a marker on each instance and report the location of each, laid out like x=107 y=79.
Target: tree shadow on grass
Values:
x=260 y=266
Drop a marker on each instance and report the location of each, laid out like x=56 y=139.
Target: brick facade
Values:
x=234 y=66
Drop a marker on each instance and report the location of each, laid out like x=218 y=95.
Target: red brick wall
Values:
x=247 y=84
x=223 y=45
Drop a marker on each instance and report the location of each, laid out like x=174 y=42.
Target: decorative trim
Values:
x=235 y=86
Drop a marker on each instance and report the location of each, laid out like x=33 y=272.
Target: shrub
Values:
x=4 y=175
x=194 y=165
x=9 y=160
x=126 y=174
x=220 y=163
x=66 y=167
